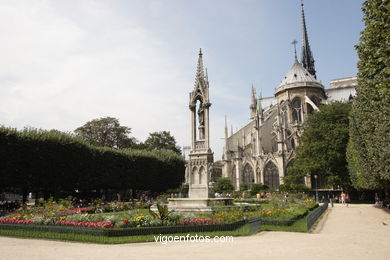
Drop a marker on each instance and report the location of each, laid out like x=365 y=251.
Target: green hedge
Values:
x=52 y=162
x=115 y=232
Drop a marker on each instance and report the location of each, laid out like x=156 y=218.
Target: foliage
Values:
x=223 y=185
x=369 y=150
x=162 y=213
x=323 y=146
x=106 y=131
x=58 y=163
x=258 y=188
x=161 y=141
x=293 y=187
x=244 y=187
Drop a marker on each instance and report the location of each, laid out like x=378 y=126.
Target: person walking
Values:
x=342 y=198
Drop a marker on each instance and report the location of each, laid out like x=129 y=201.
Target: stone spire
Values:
x=226 y=129
x=260 y=107
x=307 y=57
x=294 y=42
x=253 y=106
x=200 y=70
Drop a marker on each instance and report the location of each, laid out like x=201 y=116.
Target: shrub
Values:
x=223 y=185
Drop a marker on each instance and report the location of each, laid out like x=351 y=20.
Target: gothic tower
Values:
x=199 y=167
x=307 y=57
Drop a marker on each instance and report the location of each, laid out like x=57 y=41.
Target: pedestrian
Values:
x=343 y=198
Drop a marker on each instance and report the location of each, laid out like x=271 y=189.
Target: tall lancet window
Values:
x=297 y=110
x=247 y=175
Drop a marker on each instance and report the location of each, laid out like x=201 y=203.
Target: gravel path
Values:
x=356 y=232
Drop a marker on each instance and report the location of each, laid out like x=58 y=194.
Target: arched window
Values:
x=248 y=175
x=271 y=176
x=296 y=110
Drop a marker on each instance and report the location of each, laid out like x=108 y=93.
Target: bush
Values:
x=223 y=185
x=257 y=188
x=293 y=188
x=244 y=187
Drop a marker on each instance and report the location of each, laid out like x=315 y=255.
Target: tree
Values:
x=323 y=146
x=161 y=141
x=223 y=185
x=369 y=149
x=106 y=131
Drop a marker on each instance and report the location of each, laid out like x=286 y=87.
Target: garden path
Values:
x=357 y=232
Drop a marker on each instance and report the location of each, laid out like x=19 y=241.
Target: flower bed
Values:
x=199 y=221
x=278 y=211
x=84 y=224
x=15 y=221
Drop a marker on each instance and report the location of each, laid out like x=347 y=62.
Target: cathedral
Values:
x=262 y=150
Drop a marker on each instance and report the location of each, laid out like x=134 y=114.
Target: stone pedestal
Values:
x=198 y=191
x=197 y=205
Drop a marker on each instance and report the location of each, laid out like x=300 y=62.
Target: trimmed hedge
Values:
x=253 y=223
x=55 y=162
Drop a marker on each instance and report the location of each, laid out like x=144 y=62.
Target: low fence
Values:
x=315 y=214
x=254 y=226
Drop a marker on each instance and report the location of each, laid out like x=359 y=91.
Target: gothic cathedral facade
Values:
x=261 y=151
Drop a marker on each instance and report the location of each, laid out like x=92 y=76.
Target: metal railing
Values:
x=315 y=214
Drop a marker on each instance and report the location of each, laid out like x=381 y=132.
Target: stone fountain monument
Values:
x=200 y=164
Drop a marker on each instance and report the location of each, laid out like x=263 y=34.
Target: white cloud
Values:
x=62 y=67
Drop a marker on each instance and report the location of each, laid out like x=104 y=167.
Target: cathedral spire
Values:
x=199 y=70
x=260 y=107
x=253 y=106
x=307 y=57
x=294 y=42
x=226 y=129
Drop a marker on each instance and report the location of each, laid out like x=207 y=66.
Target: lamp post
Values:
x=315 y=177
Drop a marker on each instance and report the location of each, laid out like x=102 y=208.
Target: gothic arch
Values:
x=202 y=176
x=194 y=175
x=248 y=174
x=271 y=175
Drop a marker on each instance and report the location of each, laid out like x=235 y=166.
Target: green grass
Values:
x=244 y=230
x=298 y=226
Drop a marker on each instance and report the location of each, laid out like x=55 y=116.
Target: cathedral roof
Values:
x=298 y=77
x=296 y=74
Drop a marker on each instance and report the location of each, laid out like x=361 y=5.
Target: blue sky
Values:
x=66 y=62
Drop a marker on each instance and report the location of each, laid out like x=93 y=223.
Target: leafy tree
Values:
x=161 y=141
x=369 y=148
x=323 y=146
x=223 y=185
x=106 y=131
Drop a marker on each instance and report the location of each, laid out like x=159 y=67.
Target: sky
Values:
x=63 y=63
